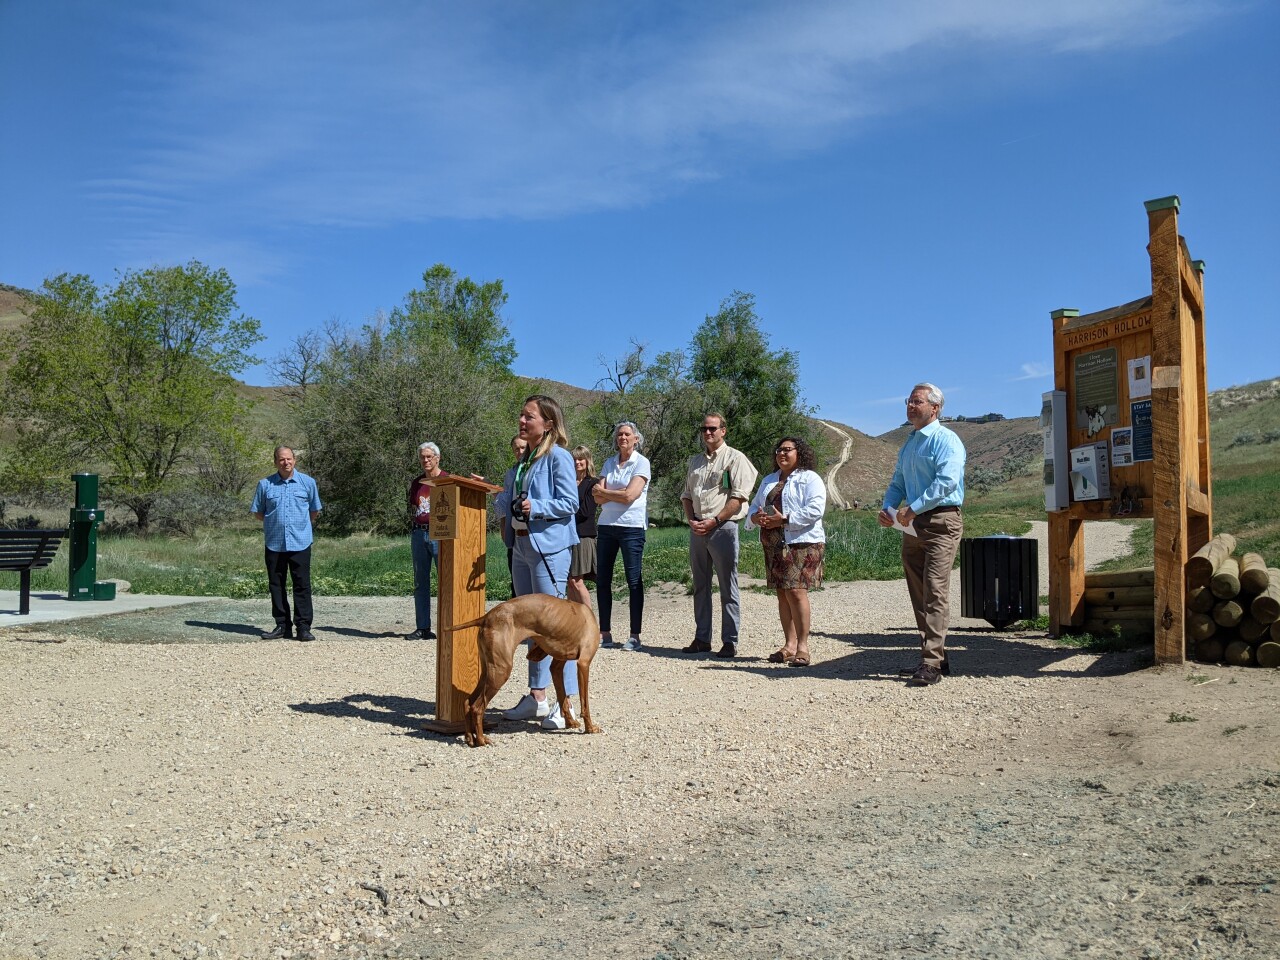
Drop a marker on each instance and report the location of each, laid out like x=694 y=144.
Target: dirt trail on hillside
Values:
x=834 y=498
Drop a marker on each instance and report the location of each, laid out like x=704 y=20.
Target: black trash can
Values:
x=999 y=579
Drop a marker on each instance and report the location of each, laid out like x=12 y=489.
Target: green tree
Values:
x=438 y=368
x=729 y=368
x=755 y=387
x=135 y=380
x=661 y=398
x=454 y=311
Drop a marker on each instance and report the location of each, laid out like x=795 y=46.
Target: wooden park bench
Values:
x=27 y=550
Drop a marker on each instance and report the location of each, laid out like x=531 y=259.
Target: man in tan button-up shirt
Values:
x=717 y=489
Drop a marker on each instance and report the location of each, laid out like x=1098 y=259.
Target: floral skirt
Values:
x=793 y=567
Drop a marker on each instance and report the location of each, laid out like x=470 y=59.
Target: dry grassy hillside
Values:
x=13 y=301
x=988 y=444
x=571 y=398
x=868 y=462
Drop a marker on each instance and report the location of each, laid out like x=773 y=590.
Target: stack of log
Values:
x=1233 y=606
x=1122 y=600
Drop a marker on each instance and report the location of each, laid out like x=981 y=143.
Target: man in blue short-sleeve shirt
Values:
x=287 y=502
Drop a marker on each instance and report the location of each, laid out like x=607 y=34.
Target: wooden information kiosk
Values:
x=1132 y=381
x=458 y=523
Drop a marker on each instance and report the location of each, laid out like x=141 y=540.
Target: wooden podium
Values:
x=458 y=524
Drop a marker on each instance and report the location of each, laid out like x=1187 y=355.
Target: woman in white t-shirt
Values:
x=623 y=493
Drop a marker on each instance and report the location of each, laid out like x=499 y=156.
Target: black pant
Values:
x=297 y=563
x=610 y=541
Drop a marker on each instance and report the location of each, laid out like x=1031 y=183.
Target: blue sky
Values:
x=908 y=188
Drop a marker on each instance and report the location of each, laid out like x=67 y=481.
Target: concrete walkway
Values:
x=49 y=607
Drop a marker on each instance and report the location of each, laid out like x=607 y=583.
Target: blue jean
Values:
x=529 y=575
x=425 y=552
x=609 y=541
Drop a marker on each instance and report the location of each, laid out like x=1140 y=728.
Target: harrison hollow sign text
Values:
x=1108 y=331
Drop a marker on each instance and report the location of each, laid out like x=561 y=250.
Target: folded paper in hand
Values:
x=909 y=529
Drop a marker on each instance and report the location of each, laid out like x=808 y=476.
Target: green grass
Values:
x=1034 y=623
x=1244 y=501
x=228 y=562
x=858 y=548
x=1244 y=504
x=1113 y=642
x=1141 y=548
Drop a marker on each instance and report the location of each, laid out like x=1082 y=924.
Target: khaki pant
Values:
x=716 y=552
x=927 y=559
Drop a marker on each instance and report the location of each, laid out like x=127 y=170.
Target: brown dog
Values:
x=561 y=629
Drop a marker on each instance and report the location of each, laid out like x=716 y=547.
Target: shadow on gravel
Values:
x=366 y=634
x=407 y=712
x=974 y=653
x=666 y=653
x=241 y=628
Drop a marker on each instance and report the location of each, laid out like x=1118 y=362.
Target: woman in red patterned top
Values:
x=425 y=550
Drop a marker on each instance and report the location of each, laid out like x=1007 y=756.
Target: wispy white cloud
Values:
x=251 y=263
x=334 y=113
x=1034 y=371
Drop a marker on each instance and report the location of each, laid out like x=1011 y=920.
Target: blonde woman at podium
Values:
x=539 y=500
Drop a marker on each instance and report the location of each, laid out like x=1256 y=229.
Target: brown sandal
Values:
x=781 y=656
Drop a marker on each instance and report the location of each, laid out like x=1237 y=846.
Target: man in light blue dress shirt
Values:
x=925 y=495
x=287 y=503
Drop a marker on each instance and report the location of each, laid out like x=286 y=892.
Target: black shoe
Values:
x=698 y=646
x=279 y=633
x=420 y=635
x=925 y=676
x=305 y=634
x=910 y=671
x=728 y=651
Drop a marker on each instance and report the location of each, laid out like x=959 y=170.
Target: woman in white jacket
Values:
x=788 y=509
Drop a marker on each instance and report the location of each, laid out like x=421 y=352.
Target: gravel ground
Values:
x=179 y=795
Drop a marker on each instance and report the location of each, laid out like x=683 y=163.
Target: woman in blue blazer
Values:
x=539 y=500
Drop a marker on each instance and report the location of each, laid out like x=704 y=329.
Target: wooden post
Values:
x=1066 y=534
x=1179 y=421
x=458 y=523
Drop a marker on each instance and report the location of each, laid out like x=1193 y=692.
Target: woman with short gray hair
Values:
x=424 y=550
x=623 y=492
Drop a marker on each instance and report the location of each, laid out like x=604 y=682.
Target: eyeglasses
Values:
x=785 y=450
x=710 y=429
x=916 y=402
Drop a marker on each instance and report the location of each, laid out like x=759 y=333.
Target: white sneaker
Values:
x=528 y=708
x=555 y=719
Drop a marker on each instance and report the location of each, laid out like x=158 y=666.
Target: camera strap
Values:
x=524 y=474
x=523 y=478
